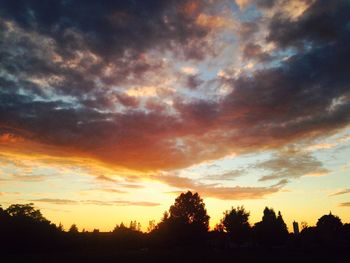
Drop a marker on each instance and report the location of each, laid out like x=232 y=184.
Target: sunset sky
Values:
x=110 y=109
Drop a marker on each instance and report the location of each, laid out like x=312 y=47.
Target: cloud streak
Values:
x=343 y=192
x=221 y=192
x=94 y=202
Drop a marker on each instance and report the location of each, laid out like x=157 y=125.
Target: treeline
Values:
x=23 y=228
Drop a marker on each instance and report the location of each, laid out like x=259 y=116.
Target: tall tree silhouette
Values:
x=190 y=209
x=186 y=223
x=235 y=223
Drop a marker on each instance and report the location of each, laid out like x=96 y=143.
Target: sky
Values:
x=110 y=109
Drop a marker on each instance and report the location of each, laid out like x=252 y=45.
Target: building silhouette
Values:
x=295 y=228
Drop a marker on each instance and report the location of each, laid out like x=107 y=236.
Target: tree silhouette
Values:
x=25 y=211
x=60 y=227
x=151 y=226
x=235 y=223
x=73 y=229
x=271 y=230
x=186 y=223
x=329 y=222
x=190 y=209
x=24 y=228
x=328 y=228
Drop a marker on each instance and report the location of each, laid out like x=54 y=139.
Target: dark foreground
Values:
x=189 y=255
x=26 y=236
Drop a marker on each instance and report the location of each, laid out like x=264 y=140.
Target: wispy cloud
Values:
x=241 y=193
x=346 y=204
x=226 y=176
x=221 y=192
x=110 y=190
x=342 y=192
x=291 y=163
x=105 y=178
x=120 y=203
x=94 y=202
x=55 y=201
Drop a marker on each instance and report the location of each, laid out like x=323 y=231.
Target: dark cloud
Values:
x=193 y=82
x=64 y=74
x=266 y=3
x=115 y=28
x=254 y=51
x=322 y=23
x=248 y=29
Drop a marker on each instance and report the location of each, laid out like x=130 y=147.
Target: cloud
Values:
x=291 y=164
x=137 y=203
x=118 y=183
x=243 y=3
x=345 y=191
x=220 y=192
x=346 y=204
x=28 y=178
x=255 y=51
x=94 y=202
x=105 y=178
x=321 y=146
x=230 y=175
x=119 y=203
x=110 y=190
x=66 y=76
x=241 y=193
x=189 y=70
x=67 y=24
x=55 y=201
x=318 y=23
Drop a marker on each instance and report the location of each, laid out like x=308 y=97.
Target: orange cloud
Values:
x=220 y=192
x=190 y=8
x=215 y=22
